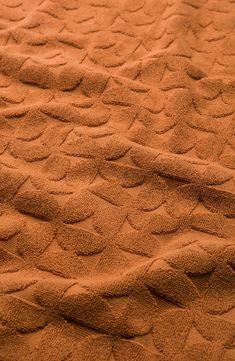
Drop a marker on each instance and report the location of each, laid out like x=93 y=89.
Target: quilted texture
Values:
x=117 y=180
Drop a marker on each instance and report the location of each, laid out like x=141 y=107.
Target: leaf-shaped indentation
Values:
x=48 y=292
x=182 y=200
x=152 y=194
x=215 y=224
x=9 y=225
x=29 y=152
x=178 y=102
x=56 y=167
x=21 y=314
x=137 y=18
x=82 y=171
x=108 y=219
x=10 y=181
x=163 y=123
x=10 y=283
x=119 y=96
x=69 y=77
x=152 y=71
x=216 y=108
x=34 y=238
x=139 y=219
x=81 y=147
x=94 y=116
x=142 y=157
x=210 y=88
x=198 y=122
x=106 y=57
x=210 y=147
x=175 y=80
x=215 y=174
x=78 y=208
x=114 y=148
x=11 y=63
x=52 y=344
x=176 y=168
x=111 y=193
x=63 y=264
x=219 y=201
x=141 y=134
x=182 y=139
x=135 y=319
x=32 y=126
x=112 y=261
x=39 y=75
x=55 y=135
x=51 y=187
x=37 y=203
x=192 y=260
x=88 y=309
x=63 y=112
x=172 y=285
x=69 y=39
x=12 y=95
x=94 y=83
x=125 y=175
x=214 y=328
x=137 y=242
x=170 y=331
x=80 y=241
x=161 y=224
x=145 y=117
x=222 y=282
x=154 y=101
x=10 y=262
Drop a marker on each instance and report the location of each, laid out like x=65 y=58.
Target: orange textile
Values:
x=117 y=180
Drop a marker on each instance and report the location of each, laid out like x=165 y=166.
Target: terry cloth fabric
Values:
x=117 y=180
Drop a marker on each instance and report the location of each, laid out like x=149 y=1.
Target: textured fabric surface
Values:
x=117 y=180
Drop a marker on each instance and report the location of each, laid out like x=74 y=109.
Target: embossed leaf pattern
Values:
x=171 y=330
x=22 y=315
x=117 y=188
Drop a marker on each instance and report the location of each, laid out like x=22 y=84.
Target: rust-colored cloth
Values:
x=117 y=180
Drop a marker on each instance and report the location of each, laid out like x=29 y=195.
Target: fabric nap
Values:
x=117 y=180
